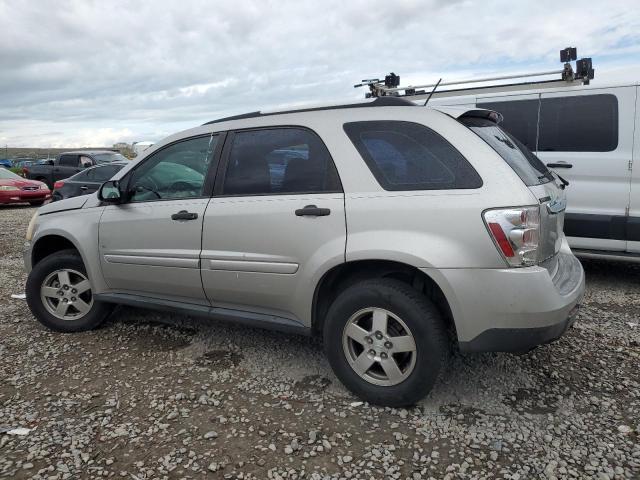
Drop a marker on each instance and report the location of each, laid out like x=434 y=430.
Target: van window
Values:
x=274 y=161
x=585 y=123
x=520 y=119
x=410 y=156
x=528 y=167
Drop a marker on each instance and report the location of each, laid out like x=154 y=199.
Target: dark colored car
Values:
x=70 y=163
x=85 y=182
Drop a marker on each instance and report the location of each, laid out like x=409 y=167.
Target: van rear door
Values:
x=586 y=136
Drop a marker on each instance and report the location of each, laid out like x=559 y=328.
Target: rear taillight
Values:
x=516 y=232
x=58 y=184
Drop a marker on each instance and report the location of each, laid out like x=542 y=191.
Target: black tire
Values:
x=65 y=259
x=424 y=322
x=37 y=203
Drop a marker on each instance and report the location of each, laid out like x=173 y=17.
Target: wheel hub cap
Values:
x=66 y=294
x=379 y=346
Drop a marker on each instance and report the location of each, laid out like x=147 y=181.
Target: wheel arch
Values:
x=49 y=244
x=346 y=274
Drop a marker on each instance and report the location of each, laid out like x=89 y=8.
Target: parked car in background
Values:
x=590 y=136
x=388 y=228
x=68 y=164
x=15 y=189
x=85 y=182
x=5 y=163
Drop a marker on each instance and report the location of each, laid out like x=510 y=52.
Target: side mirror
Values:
x=110 y=192
x=50 y=162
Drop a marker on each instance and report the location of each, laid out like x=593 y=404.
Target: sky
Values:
x=85 y=73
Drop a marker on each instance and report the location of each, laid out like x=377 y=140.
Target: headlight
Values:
x=5 y=188
x=32 y=226
x=43 y=186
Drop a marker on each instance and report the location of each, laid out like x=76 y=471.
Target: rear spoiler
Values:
x=460 y=112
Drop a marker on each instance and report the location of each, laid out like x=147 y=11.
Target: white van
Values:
x=587 y=134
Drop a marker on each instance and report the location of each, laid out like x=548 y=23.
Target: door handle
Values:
x=312 y=211
x=184 y=215
x=84 y=187
x=559 y=165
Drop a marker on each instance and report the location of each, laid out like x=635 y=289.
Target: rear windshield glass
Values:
x=528 y=167
x=108 y=157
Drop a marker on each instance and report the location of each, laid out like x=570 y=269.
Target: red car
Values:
x=15 y=189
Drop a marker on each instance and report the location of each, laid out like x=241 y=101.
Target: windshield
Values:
x=108 y=157
x=7 y=175
x=528 y=167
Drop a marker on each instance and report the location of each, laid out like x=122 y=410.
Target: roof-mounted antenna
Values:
x=434 y=89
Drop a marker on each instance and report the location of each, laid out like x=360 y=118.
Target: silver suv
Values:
x=392 y=230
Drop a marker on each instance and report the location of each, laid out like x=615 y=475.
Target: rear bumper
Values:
x=516 y=309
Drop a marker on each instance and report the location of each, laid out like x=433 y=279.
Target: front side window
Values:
x=410 y=156
x=275 y=161
x=175 y=172
x=520 y=119
x=585 y=123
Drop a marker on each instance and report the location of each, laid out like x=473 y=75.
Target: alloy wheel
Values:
x=66 y=294
x=379 y=346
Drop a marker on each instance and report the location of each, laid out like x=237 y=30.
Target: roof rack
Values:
x=386 y=101
x=582 y=74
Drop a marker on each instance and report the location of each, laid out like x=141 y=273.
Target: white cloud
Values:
x=81 y=71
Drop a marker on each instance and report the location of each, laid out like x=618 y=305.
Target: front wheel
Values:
x=59 y=294
x=385 y=341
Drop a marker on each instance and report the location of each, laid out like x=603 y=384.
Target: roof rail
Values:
x=385 y=101
x=582 y=74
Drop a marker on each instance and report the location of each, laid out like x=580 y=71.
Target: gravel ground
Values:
x=151 y=395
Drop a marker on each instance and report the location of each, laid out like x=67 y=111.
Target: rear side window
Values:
x=528 y=167
x=275 y=161
x=102 y=174
x=68 y=161
x=520 y=119
x=586 y=123
x=410 y=156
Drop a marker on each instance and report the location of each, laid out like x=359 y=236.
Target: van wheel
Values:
x=385 y=341
x=59 y=294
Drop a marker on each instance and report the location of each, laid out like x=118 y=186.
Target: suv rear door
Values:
x=275 y=223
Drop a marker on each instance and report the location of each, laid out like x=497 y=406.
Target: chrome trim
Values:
x=252 y=266
x=153 y=261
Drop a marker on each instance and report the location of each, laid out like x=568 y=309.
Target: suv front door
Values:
x=151 y=244
x=275 y=223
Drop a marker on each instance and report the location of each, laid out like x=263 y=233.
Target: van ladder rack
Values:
x=582 y=74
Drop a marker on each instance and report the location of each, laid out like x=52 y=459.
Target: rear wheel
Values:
x=59 y=294
x=385 y=341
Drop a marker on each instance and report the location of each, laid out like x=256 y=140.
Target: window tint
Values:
x=410 y=156
x=279 y=161
x=526 y=165
x=109 y=157
x=520 y=119
x=68 y=161
x=177 y=171
x=586 y=123
x=98 y=174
